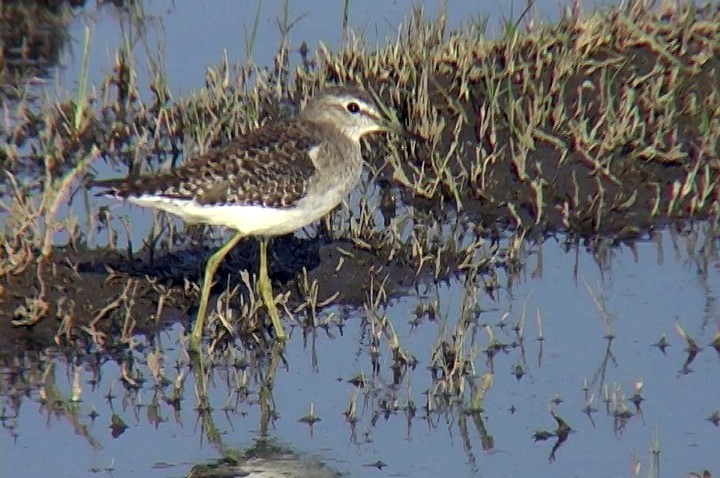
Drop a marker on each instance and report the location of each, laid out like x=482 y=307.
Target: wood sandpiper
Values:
x=271 y=181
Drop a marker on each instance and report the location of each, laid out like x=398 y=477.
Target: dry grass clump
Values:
x=607 y=123
x=601 y=123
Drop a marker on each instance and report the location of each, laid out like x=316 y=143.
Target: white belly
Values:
x=250 y=220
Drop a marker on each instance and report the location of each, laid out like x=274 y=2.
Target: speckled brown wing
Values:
x=269 y=166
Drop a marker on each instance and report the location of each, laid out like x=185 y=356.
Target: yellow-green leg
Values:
x=266 y=292
x=210 y=269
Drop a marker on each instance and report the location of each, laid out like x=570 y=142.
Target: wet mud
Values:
x=591 y=130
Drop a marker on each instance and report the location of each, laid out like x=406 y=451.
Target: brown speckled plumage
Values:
x=271 y=181
x=269 y=166
x=254 y=169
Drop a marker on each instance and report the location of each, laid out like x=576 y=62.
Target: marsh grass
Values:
x=602 y=126
x=579 y=113
x=550 y=128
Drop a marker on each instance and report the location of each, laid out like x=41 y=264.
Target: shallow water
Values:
x=644 y=293
x=191 y=37
x=574 y=299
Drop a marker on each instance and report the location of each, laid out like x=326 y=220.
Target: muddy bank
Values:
x=602 y=128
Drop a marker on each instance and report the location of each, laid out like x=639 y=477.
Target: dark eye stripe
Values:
x=368 y=113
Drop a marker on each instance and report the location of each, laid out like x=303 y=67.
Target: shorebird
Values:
x=271 y=181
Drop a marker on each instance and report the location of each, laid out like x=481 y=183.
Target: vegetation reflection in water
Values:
x=602 y=127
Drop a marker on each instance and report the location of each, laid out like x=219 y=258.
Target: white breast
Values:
x=251 y=220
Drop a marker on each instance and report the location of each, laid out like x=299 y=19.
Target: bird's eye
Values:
x=353 y=107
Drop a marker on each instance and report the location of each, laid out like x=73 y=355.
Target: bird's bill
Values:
x=398 y=129
x=390 y=123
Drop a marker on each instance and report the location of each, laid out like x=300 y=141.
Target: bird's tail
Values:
x=110 y=187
